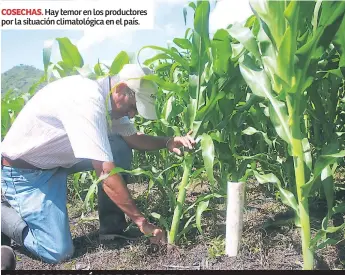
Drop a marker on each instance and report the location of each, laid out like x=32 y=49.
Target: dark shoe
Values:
x=8 y=258
x=112 y=221
x=132 y=233
x=5 y=240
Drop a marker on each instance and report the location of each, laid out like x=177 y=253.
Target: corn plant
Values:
x=12 y=103
x=278 y=60
x=209 y=98
x=195 y=78
x=10 y=107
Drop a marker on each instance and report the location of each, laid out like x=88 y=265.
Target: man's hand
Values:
x=175 y=143
x=158 y=235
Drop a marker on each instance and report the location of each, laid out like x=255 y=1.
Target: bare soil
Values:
x=262 y=246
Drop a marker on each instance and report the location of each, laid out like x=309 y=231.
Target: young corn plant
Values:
x=196 y=89
x=12 y=103
x=212 y=90
x=278 y=60
x=10 y=107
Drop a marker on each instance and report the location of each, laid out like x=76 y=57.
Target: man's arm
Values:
x=140 y=141
x=117 y=191
x=143 y=142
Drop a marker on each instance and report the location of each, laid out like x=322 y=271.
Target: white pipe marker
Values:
x=234 y=217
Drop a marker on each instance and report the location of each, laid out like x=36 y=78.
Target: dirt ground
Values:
x=262 y=246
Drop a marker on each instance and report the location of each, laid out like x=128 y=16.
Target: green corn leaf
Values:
x=174 y=73
x=204 y=111
x=308 y=160
x=316 y=14
x=246 y=38
x=34 y=87
x=69 y=53
x=5 y=119
x=156 y=57
x=237 y=51
x=47 y=51
x=318 y=236
x=135 y=172
x=164 y=67
x=120 y=60
x=340 y=208
x=260 y=86
x=163 y=84
x=192 y=5
x=221 y=51
x=208 y=156
x=326 y=242
x=176 y=57
x=339 y=43
x=288 y=45
x=201 y=20
x=63 y=66
x=190 y=113
x=185 y=15
x=76 y=186
x=253 y=99
x=286 y=196
x=332 y=229
x=183 y=43
x=332 y=14
x=168 y=107
x=8 y=95
x=90 y=194
x=197 y=172
x=168 y=191
x=187 y=227
x=251 y=131
x=203 y=198
x=151 y=184
x=328 y=187
x=322 y=162
x=62 y=69
x=271 y=17
x=177 y=109
x=192 y=105
x=161 y=220
x=202 y=206
x=16 y=105
x=98 y=69
x=83 y=177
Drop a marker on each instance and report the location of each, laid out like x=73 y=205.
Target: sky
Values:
x=25 y=46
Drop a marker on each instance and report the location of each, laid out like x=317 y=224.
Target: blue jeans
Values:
x=40 y=197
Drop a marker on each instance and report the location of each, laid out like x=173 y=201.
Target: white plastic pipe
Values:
x=234 y=217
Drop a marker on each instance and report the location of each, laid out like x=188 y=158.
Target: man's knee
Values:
x=61 y=252
x=65 y=252
x=49 y=249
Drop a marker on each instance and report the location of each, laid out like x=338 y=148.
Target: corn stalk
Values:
x=201 y=70
x=278 y=61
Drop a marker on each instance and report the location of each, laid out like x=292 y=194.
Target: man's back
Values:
x=49 y=125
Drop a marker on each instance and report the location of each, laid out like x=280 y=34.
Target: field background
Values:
x=266 y=100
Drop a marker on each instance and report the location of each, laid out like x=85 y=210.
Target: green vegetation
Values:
x=265 y=100
x=20 y=78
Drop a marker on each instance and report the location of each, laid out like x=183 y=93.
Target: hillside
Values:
x=20 y=78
